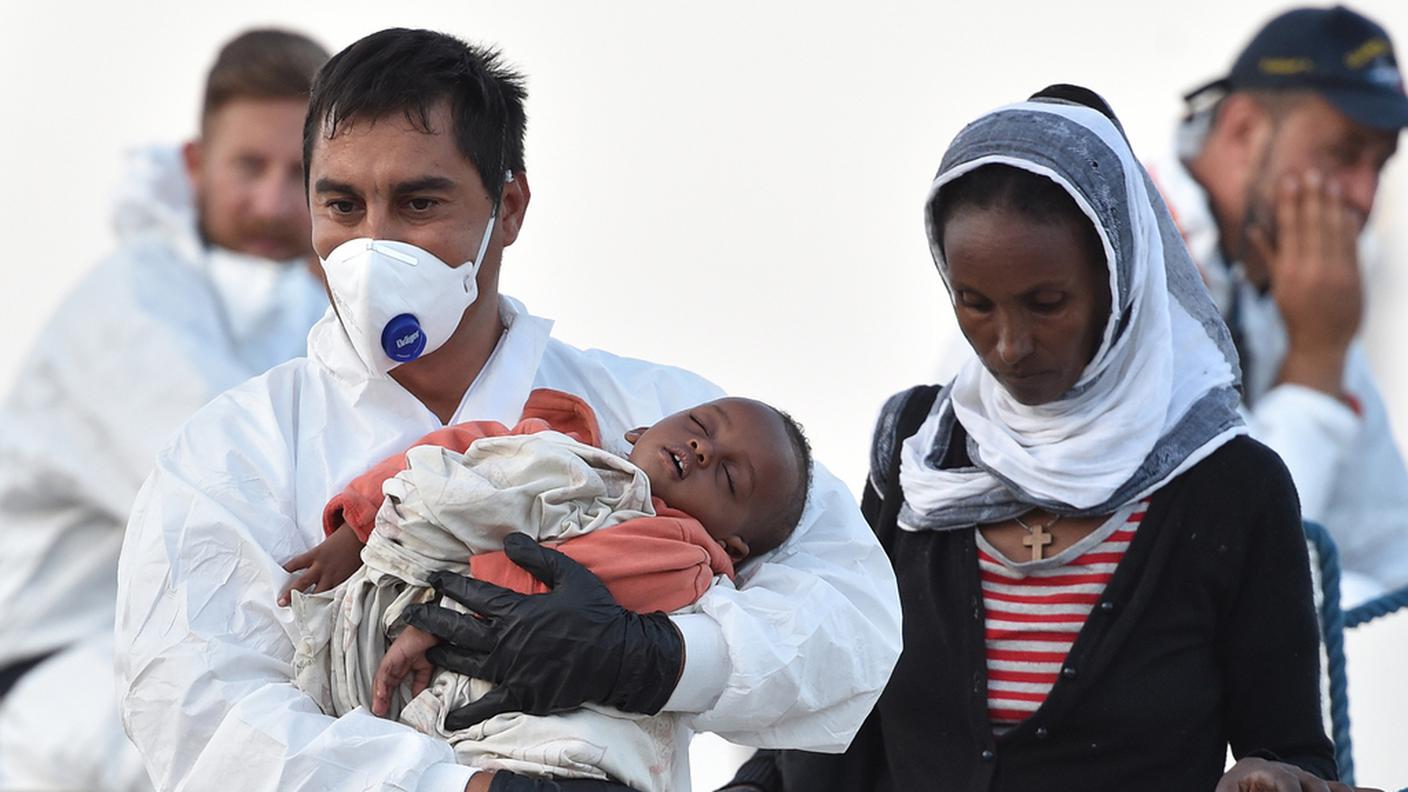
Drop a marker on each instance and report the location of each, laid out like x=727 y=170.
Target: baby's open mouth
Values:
x=678 y=460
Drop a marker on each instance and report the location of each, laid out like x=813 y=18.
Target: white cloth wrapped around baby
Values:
x=441 y=509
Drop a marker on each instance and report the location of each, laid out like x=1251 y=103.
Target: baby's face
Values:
x=728 y=463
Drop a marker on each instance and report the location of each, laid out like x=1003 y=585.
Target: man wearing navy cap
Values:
x=1279 y=164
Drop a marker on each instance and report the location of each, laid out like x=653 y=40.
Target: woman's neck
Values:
x=1015 y=541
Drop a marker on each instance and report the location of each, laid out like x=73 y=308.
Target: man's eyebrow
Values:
x=326 y=185
x=424 y=184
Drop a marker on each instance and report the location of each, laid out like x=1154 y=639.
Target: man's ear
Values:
x=191 y=154
x=1244 y=126
x=736 y=547
x=633 y=435
x=514 y=206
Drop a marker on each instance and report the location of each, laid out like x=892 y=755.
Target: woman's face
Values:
x=1031 y=297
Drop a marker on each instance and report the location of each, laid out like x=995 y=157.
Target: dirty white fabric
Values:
x=1157 y=397
x=156 y=330
x=444 y=507
x=204 y=653
x=1346 y=466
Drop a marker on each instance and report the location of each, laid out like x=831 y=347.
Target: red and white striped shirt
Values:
x=1035 y=609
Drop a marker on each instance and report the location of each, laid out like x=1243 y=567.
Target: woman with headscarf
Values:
x=1104 y=580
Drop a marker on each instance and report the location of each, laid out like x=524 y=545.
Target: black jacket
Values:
x=1205 y=636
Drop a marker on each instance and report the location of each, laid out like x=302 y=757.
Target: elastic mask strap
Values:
x=489 y=227
x=484 y=243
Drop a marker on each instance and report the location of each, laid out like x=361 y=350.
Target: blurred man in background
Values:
x=213 y=282
x=1279 y=167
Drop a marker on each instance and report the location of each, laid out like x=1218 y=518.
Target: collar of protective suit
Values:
x=154 y=196
x=498 y=393
x=264 y=307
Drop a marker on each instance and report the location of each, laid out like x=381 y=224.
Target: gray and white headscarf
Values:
x=1158 y=396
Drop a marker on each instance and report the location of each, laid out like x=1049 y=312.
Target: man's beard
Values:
x=274 y=240
x=1259 y=218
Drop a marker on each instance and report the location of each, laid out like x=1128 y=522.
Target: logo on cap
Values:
x=1366 y=52
x=1375 y=58
x=1283 y=66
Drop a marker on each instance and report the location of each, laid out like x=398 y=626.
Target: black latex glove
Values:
x=760 y=773
x=508 y=782
x=550 y=652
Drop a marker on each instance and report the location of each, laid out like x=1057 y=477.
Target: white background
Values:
x=732 y=187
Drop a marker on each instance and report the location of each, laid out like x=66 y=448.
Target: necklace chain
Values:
x=1046 y=526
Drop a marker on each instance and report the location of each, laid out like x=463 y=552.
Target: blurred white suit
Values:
x=155 y=331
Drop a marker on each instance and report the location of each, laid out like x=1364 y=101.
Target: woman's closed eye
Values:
x=973 y=301
x=1047 y=303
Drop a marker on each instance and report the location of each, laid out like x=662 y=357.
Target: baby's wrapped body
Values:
x=446 y=507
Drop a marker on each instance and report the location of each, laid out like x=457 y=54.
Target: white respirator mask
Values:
x=399 y=302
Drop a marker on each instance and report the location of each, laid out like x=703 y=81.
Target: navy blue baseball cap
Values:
x=1340 y=54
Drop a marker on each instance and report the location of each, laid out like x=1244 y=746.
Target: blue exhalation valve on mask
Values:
x=402 y=339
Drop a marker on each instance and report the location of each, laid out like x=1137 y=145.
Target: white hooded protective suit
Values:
x=794 y=656
x=154 y=332
x=1345 y=464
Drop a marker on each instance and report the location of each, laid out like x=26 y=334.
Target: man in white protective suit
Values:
x=1277 y=173
x=413 y=148
x=210 y=285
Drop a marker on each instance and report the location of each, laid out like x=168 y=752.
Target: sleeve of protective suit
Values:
x=796 y=655
x=1363 y=499
x=1312 y=431
x=1369 y=514
x=175 y=358
x=203 y=664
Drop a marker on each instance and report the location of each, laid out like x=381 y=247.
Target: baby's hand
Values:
x=406 y=655
x=329 y=564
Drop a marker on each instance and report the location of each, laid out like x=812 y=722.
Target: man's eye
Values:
x=729 y=476
x=1048 y=306
x=700 y=424
x=421 y=204
x=342 y=207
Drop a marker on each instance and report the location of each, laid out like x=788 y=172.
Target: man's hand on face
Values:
x=1315 y=280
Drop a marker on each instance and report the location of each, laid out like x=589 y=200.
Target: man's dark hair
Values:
x=409 y=72
x=999 y=186
x=783 y=523
x=262 y=64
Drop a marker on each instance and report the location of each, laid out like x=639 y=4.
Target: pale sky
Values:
x=732 y=187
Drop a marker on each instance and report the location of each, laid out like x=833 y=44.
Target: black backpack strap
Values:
x=911 y=407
